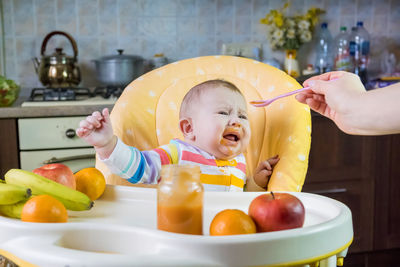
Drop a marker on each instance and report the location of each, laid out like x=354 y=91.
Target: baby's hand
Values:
x=96 y=129
x=264 y=171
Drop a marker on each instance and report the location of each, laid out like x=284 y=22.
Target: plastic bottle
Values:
x=180 y=200
x=324 y=60
x=359 y=51
x=342 y=52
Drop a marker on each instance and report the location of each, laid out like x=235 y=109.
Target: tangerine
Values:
x=232 y=222
x=44 y=209
x=91 y=182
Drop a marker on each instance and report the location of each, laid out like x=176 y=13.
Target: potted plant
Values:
x=290 y=32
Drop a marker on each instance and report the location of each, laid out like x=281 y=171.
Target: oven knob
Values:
x=70 y=133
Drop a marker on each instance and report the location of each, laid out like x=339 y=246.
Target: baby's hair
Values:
x=195 y=92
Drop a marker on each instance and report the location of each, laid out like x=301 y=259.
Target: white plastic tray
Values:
x=120 y=230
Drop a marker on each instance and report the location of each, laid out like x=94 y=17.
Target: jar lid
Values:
x=120 y=57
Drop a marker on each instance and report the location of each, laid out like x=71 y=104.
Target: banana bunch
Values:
x=11 y=194
x=72 y=199
x=13 y=210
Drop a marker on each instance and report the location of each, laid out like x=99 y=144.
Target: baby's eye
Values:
x=244 y=117
x=223 y=113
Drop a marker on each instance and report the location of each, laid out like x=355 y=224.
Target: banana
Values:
x=2 y=181
x=72 y=199
x=13 y=210
x=10 y=194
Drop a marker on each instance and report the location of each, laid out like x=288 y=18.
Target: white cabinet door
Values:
x=76 y=159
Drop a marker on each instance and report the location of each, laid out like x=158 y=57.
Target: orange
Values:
x=44 y=209
x=91 y=182
x=232 y=222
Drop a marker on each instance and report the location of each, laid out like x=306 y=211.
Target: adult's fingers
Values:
x=324 y=77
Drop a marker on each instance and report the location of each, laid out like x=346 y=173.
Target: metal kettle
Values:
x=58 y=70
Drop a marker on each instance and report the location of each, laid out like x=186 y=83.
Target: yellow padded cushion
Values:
x=147 y=114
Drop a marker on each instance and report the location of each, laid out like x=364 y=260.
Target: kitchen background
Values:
x=178 y=28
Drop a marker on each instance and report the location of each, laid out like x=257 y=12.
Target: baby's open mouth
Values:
x=232 y=137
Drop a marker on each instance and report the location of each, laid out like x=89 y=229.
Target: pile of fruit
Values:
x=46 y=193
x=267 y=212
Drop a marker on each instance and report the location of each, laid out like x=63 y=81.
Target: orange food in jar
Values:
x=180 y=219
x=180 y=200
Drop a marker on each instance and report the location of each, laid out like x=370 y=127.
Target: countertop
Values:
x=16 y=111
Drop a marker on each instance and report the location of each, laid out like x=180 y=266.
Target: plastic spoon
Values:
x=263 y=103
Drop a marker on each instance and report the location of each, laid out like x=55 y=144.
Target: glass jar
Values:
x=180 y=200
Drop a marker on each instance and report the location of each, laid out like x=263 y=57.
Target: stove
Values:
x=72 y=96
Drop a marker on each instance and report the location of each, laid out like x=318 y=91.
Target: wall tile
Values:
x=364 y=8
x=66 y=8
x=108 y=9
x=225 y=8
x=24 y=25
x=88 y=26
x=8 y=18
x=87 y=7
x=206 y=26
x=109 y=27
x=347 y=7
x=224 y=26
x=206 y=8
x=178 y=28
x=380 y=25
x=67 y=24
x=45 y=7
x=45 y=24
x=26 y=48
x=186 y=8
x=157 y=26
x=108 y=47
x=187 y=47
x=11 y=70
x=207 y=46
x=186 y=27
x=89 y=48
x=381 y=7
x=243 y=8
x=128 y=26
x=260 y=8
x=23 y=8
x=394 y=23
x=243 y=25
x=395 y=8
x=130 y=8
x=297 y=7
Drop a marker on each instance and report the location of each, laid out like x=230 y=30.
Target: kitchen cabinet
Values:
x=364 y=173
x=8 y=145
x=387 y=198
x=342 y=167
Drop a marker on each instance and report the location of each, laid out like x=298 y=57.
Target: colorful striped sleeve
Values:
x=138 y=166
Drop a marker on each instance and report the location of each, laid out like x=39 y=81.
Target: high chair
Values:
x=147 y=114
x=120 y=229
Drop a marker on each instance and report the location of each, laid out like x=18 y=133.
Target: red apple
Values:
x=59 y=173
x=276 y=211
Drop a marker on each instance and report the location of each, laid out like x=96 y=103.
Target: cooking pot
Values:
x=58 y=70
x=118 y=70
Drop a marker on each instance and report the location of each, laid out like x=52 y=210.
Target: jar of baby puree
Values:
x=180 y=200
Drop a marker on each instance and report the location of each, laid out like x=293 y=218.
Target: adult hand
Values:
x=335 y=95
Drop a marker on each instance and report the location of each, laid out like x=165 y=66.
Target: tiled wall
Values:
x=178 y=28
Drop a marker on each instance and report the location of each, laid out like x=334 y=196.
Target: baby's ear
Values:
x=186 y=127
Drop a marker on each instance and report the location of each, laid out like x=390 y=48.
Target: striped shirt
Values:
x=144 y=166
